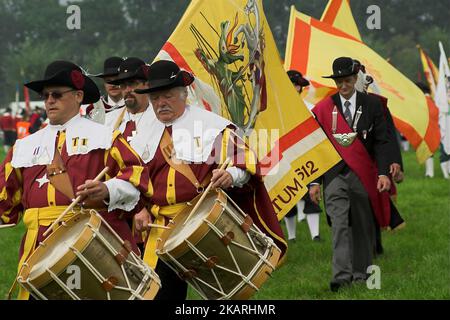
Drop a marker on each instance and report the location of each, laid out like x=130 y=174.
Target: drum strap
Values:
x=57 y=173
x=119 y=119
x=33 y=218
x=167 y=149
x=160 y=214
x=60 y=180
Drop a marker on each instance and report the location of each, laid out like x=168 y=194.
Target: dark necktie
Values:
x=347 y=113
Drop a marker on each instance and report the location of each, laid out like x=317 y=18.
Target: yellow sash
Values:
x=33 y=218
x=159 y=214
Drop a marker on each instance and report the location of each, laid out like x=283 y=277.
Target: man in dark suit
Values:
x=355 y=188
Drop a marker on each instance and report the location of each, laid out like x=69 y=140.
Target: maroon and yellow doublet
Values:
x=172 y=189
x=26 y=194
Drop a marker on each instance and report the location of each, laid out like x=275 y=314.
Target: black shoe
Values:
x=291 y=241
x=317 y=238
x=335 y=285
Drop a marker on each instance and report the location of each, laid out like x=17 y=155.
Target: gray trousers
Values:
x=352 y=224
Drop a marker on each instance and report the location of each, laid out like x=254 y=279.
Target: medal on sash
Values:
x=40 y=156
x=35 y=155
x=345 y=139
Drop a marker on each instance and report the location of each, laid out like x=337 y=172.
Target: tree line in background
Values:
x=34 y=33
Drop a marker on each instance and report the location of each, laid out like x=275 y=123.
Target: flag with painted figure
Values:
x=314 y=45
x=229 y=47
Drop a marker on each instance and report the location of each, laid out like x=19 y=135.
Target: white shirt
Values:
x=352 y=106
x=146 y=140
x=114 y=104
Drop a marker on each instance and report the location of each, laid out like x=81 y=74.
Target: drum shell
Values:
x=211 y=245
x=98 y=255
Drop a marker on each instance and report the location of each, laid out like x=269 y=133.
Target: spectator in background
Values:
x=8 y=126
x=37 y=119
x=23 y=126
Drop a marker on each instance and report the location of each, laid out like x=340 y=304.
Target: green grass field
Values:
x=415 y=265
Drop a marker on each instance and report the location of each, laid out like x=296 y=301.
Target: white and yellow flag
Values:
x=229 y=47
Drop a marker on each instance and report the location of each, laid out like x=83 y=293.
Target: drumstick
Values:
x=223 y=167
x=74 y=203
x=4 y=226
x=151 y=225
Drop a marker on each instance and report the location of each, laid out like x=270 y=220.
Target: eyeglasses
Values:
x=132 y=84
x=54 y=94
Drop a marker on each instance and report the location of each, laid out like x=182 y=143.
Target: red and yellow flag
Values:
x=338 y=13
x=312 y=47
x=229 y=47
x=430 y=71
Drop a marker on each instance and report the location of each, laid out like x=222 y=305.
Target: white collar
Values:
x=193 y=134
x=68 y=124
x=148 y=132
x=111 y=102
x=82 y=136
x=177 y=120
x=135 y=116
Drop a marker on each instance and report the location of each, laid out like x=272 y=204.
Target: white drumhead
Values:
x=56 y=250
x=182 y=232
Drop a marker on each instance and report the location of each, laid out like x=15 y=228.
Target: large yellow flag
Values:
x=312 y=47
x=339 y=14
x=229 y=47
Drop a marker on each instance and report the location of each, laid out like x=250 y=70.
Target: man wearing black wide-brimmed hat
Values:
x=135 y=118
x=190 y=144
x=136 y=115
x=113 y=98
x=47 y=169
x=355 y=188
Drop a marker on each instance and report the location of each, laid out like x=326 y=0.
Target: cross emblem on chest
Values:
x=133 y=134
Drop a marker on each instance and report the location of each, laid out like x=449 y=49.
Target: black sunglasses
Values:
x=54 y=94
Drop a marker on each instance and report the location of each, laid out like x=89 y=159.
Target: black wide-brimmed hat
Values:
x=66 y=73
x=343 y=67
x=297 y=78
x=110 y=67
x=131 y=69
x=164 y=75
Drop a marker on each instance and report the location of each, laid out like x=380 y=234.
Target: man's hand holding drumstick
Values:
x=94 y=190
